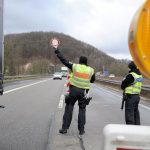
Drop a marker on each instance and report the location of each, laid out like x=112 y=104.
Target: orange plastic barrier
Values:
x=139 y=39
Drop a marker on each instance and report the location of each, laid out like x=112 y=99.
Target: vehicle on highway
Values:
x=64 y=74
x=111 y=76
x=97 y=74
x=64 y=71
x=57 y=75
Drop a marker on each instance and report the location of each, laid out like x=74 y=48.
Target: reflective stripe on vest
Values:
x=81 y=76
x=135 y=88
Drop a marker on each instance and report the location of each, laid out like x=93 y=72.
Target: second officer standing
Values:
x=132 y=87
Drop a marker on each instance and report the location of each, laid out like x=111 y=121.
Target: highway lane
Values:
x=33 y=116
x=103 y=109
x=19 y=83
x=25 y=122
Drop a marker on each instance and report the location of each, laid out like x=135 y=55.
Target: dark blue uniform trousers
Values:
x=132 y=115
x=74 y=95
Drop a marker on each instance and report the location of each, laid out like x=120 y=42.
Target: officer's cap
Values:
x=132 y=65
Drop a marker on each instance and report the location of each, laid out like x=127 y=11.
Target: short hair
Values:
x=83 y=60
x=132 y=65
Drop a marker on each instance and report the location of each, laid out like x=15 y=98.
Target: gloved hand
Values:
x=87 y=98
x=55 y=43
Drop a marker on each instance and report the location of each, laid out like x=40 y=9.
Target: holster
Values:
x=67 y=99
x=124 y=98
x=85 y=101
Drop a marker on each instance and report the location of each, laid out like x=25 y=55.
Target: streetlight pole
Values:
x=1 y=45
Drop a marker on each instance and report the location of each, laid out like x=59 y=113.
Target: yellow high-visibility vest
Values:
x=81 y=76
x=135 y=88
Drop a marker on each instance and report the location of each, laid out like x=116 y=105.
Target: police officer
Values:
x=132 y=88
x=82 y=76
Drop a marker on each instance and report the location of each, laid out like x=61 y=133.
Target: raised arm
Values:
x=55 y=43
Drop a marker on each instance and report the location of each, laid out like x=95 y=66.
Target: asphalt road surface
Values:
x=33 y=115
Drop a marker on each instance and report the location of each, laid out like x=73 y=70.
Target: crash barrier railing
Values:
x=19 y=77
x=6 y=78
x=126 y=137
x=145 y=88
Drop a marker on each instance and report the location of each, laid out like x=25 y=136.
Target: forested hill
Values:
x=28 y=53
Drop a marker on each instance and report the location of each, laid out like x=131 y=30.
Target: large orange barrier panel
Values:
x=139 y=39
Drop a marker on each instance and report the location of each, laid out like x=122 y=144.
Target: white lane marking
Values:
x=141 y=105
x=146 y=107
x=6 y=92
x=109 y=92
x=60 y=105
x=114 y=94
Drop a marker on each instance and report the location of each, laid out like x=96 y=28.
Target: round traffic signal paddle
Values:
x=139 y=39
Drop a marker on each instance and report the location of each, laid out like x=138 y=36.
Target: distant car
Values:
x=64 y=74
x=97 y=74
x=111 y=76
x=57 y=75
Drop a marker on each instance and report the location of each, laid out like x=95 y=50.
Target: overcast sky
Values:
x=101 y=23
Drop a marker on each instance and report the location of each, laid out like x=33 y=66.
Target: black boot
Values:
x=81 y=132
x=63 y=131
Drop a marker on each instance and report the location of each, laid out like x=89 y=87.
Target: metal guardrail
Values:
x=6 y=78
x=115 y=82
x=17 y=77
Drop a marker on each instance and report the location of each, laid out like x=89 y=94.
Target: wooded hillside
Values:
x=31 y=53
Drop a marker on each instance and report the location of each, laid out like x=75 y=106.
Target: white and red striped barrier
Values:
x=126 y=137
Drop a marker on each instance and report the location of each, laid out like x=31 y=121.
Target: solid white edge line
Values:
x=146 y=107
x=60 y=105
x=9 y=91
x=141 y=105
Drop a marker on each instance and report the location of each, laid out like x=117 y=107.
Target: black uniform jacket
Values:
x=68 y=64
x=129 y=79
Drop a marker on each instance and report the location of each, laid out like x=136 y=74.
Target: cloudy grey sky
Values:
x=101 y=23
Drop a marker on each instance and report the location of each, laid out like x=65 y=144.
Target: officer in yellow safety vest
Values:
x=132 y=87
x=82 y=76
